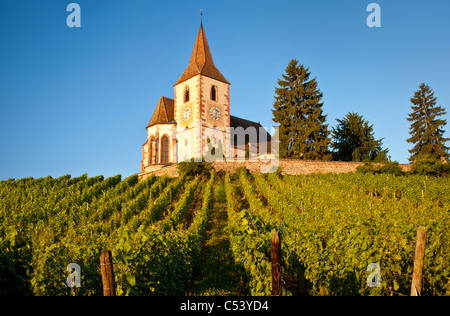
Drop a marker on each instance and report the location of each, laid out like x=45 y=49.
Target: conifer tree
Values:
x=354 y=140
x=426 y=130
x=303 y=133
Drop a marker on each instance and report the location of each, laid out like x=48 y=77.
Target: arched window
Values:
x=165 y=149
x=214 y=92
x=186 y=94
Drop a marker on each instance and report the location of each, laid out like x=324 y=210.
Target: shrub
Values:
x=426 y=165
x=366 y=168
x=192 y=168
x=390 y=167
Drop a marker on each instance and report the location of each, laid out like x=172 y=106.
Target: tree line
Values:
x=304 y=134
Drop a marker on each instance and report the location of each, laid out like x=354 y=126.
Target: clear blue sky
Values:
x=77 y=100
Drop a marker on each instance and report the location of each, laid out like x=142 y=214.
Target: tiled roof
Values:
x=201 y=61
x=164 y=112
x=239 y=122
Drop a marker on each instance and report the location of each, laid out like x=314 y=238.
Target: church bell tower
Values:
x=202 y=103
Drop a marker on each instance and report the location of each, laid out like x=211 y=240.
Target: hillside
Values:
x=210 y=235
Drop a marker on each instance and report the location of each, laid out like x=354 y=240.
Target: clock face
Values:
x=214 y=112
x=186 y=115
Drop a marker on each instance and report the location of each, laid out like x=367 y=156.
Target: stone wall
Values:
x=155 y=167
x=171 y=171
x=292 y=167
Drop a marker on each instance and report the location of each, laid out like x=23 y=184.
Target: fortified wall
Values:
x=292 y=167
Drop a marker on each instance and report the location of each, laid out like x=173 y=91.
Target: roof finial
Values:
x=201 y=17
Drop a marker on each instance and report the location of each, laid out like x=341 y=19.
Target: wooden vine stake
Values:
x=73 y=292
x=416 y=286
x=106 y=264
x=276 y=264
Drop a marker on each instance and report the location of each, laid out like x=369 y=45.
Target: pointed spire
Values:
x=201 y=61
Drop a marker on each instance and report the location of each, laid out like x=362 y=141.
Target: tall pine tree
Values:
x=426 y=130
x=354 y=140
x=303 y=133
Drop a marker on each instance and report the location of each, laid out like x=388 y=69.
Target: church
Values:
x=198 y=118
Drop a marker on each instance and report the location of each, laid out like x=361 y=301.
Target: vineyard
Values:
x=210 y=234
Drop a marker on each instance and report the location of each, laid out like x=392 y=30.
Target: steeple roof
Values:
x=164 y=112
x=201 y=61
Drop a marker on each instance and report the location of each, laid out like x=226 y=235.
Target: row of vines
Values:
x=49 y=223
x=332 y=227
